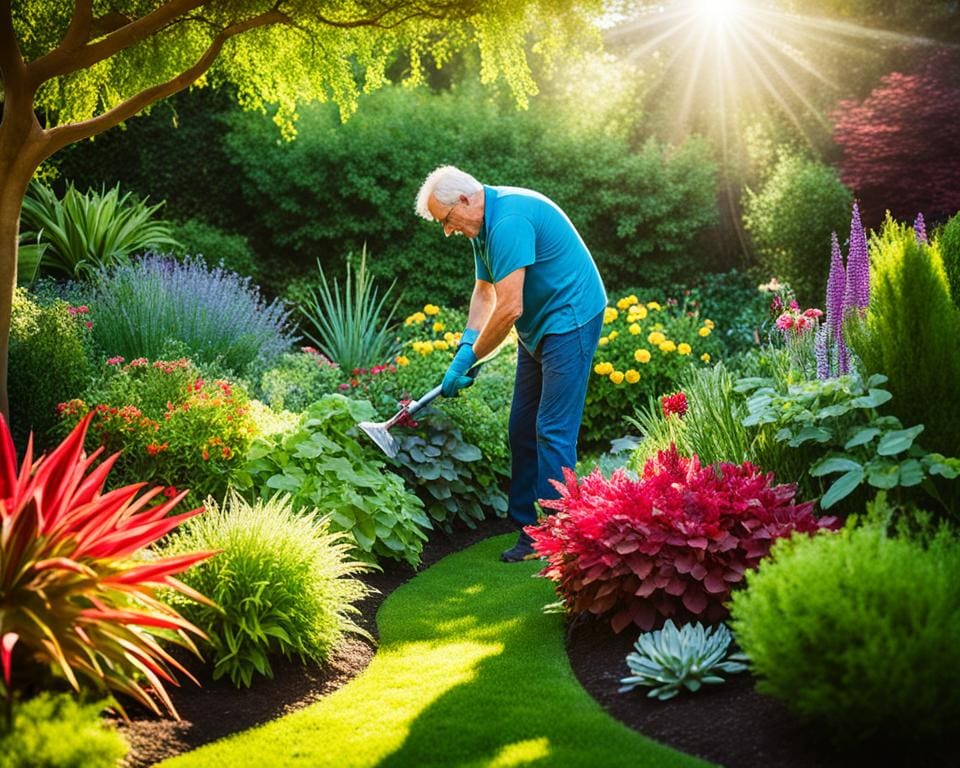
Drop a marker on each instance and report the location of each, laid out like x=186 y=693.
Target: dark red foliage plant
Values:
x=671 y=543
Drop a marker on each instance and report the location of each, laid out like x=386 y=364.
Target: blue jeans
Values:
x=548 y=396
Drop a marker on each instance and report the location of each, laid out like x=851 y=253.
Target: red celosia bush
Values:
x=672 y=543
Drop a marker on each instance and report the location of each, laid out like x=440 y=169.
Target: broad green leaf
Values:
x=835 y=464
x=911 y=472
x=893 y=443
x=883 y=475
x=842 y=487
x=862 y=437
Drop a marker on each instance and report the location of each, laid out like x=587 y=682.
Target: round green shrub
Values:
x=949 y=241
x=790 y=220
x=299 y=379
x=857 y=631
x=283 y=584
x=44 y=338
x=55 y=731
x=218 y=247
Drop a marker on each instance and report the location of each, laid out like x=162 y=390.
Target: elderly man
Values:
x=533 y=271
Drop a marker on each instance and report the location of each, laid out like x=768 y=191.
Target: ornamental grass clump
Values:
x=857 y=633
x=668 y=660
x=215 y=316
x=283 y=585
x=74 y=592
x=670 y=544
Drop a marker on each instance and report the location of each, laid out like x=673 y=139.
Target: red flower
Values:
x=170 y=491
x=114 y=360
x=675 y=403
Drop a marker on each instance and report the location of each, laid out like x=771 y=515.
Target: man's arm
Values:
x=506 y=298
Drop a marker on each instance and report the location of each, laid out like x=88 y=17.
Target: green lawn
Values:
x=469 y=672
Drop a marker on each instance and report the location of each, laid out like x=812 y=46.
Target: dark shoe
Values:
x=522 y=550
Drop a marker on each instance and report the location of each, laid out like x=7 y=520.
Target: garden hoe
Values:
x=380 y=432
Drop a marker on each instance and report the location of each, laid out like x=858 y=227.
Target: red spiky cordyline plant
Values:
x=74 y=593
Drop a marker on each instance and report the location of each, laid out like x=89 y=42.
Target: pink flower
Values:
x=812 y=312
x=114 y=360
x=785 y=322
x=88 y=324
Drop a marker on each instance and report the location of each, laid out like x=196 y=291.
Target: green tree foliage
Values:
x=86 y=69
x=948 y=240
x=344 y=185
x=910 y=335
x=790 y=220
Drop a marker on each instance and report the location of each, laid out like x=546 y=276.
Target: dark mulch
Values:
x=730 y=724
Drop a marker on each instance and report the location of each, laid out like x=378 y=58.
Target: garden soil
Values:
x=730 y=724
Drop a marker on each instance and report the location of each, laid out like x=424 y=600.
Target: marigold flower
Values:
x=632 y=298
x=613 y=334
x=438 y=326
x=705 y=357
x=205 y=454
x=440 y=344
x=638 y=312
x=617 y=377
x=667 y=346
x=635 y=329
x=449 y=338
x=709 y=324
x=656 y=338
x=603 y=341
x=642 y=355
x=623 y=303
x=684 y=349
x=602 y=369
x=654 y=306
x=431 y=309
x=609 y=315
x=402 y=360
x=705 y=331
x=632 y=376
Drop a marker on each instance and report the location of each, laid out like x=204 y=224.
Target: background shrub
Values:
x=790 y=220
x=857 y=631
x=48 y=363
x=299 y=379
x=324 y=467
x=911 y=334
x=55 y=731
x=215 y=316
x=281 y=581
x=218 y=247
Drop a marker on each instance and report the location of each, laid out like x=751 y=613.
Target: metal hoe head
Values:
x=380 y=434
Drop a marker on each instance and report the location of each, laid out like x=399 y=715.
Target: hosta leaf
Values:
x=834 y=464
x=862 y=437
x=842 y=487
x=896 y=442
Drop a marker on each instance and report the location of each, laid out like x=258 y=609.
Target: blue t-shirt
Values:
x=562 y=289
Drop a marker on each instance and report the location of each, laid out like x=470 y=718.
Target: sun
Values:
x=717 y=11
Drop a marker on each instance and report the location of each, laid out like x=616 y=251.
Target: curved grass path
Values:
x=469 y=672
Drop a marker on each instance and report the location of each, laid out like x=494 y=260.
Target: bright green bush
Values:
x=857 y=632
x=174 y=427
x=324 y=467
x=644 y=349
x=282 y=583
x=55 y=731
x=790 y=220
x=45 y=338
x=217 y=247
x=298 y=379
x=910 y=335
x=948 y=241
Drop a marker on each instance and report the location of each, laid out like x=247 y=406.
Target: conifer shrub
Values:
x=857 y=632
x=948 y=240
x=910 y=335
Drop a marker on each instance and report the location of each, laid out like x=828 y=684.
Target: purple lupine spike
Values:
x=843 y=358
x=920 y=229
x=857 y=293
x=821 y=352
x=835 y=288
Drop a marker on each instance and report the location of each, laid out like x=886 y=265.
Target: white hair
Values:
x=446 y=184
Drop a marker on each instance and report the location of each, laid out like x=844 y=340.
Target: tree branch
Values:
x=79 y=30
x=63 y=61
x=11 y=62
x=61 y=136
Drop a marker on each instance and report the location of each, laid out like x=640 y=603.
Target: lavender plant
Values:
x=214 y=316
x=857 y=289
x=920 y=229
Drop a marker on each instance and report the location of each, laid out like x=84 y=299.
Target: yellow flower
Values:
x=440 y=344
x=635 y=329
x=432 y=309
x=617 y=377
x=632 y=376
x=632 y=298
x=613 y=334
x=438 y=326
x=642 y=355
x=709 y=324
x=609 y=315
x=656 y=338
x=638 y=312
x=416 y=317
x=603 y=341
x=602 y=369
x=654 y=305
x=667 y=346
x=705 y=357
x=449 y=338
x=423 y=347
x=623 y=303
x=684 y=349
x=402 y=360
x=705 y=331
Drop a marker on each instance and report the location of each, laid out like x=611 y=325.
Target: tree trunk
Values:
x=21 y=152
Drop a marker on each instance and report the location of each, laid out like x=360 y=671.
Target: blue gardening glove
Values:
x=468 y=336
x=456 y=377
